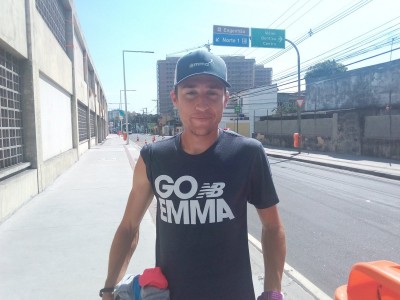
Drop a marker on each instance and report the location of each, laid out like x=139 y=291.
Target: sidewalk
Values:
x=368 y=165
x=57 y=245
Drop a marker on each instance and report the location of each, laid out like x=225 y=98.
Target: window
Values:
x=11 y=151
x=53 y=14
x=82 y=122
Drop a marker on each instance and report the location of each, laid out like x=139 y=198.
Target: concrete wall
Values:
x=244 y=127
x=55 y=166
x=357 y=112
x=55 y=64
x=13 y=26
x=17 y=190
x=368 y=132
x=373 y=86
x=52 y=78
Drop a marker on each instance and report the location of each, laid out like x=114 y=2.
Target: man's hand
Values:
x=108 y=296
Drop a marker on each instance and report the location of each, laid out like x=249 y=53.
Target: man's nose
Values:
x=202 y=103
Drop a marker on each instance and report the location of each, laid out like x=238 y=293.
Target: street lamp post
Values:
x=126 y=105
x=298 y=91
x=120 y=101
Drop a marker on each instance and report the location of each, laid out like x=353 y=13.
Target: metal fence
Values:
x=11 y=147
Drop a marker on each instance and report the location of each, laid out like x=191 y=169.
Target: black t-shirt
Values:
x=202 y=243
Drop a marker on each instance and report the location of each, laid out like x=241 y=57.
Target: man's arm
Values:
x=127 y=234
x=274 y=247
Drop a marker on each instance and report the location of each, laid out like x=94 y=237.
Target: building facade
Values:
x=53 y=107
x=243 y=74
x=165 y=83
x=240 y=73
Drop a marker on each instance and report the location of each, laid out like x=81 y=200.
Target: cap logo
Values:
x=201 y=64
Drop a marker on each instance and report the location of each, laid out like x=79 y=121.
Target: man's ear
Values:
x=226 y=99
x=174 y=97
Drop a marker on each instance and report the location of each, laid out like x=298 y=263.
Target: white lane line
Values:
x=291 y=272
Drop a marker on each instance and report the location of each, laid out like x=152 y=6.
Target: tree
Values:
x=326 y=68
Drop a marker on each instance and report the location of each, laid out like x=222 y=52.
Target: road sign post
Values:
x=261 y=38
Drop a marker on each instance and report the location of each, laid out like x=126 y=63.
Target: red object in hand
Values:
x=153 y=277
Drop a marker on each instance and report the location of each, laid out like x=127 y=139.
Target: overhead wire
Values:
x=318 y=28
x=247 y=51
x=381 y=39
x=348 y=46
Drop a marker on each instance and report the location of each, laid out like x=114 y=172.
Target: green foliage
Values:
x=326 y=68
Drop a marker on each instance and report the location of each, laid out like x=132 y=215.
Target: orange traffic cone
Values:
x=145 y=141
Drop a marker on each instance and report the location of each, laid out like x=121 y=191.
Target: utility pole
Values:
x=126 y=105
x=145 y=119
x=390 y=104
x=298 y=93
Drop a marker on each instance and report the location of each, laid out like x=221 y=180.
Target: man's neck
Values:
x=196 y=144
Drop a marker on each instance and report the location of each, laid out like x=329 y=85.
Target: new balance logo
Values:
x=209 y=208
x=215 y=190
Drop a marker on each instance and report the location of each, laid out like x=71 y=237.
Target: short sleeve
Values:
x=145 y=153
x=262 y=189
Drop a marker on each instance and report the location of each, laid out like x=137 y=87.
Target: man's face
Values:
x=200 y=101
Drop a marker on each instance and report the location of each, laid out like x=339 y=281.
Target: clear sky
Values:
x=171 y=26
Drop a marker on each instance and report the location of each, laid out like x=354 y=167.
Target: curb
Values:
x=290 y=272
x=337 y=166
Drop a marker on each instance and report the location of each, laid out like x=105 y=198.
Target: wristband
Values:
x=271 y=295
x=106 y=290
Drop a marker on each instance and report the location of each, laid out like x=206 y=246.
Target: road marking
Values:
x=130 y=157
x=298 y=277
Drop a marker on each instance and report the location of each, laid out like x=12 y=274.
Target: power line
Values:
x=349 y=45
x=319 y=28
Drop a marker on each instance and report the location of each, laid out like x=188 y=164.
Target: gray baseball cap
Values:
x=200 y=62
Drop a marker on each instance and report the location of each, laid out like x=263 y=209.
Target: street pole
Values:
x=120 y=101
x=145 y=119
x=126 y=105
x=299 y=93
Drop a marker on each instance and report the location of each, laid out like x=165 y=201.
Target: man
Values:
x=203 y=179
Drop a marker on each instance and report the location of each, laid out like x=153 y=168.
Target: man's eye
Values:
x=213 y=93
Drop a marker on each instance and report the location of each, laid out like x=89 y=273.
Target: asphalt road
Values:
x=333 y=219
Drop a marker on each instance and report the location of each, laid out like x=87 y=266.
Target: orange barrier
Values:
x=296 y=139
x=377 y=280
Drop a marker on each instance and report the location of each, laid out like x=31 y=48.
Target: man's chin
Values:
x=201 y=131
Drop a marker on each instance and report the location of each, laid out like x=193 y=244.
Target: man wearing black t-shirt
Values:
x=203 y=179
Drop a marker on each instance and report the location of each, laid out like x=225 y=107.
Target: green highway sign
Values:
x=237 y=109
x=267 y=38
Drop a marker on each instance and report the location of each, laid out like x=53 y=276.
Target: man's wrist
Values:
x=271 y=295
x=109 y=290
